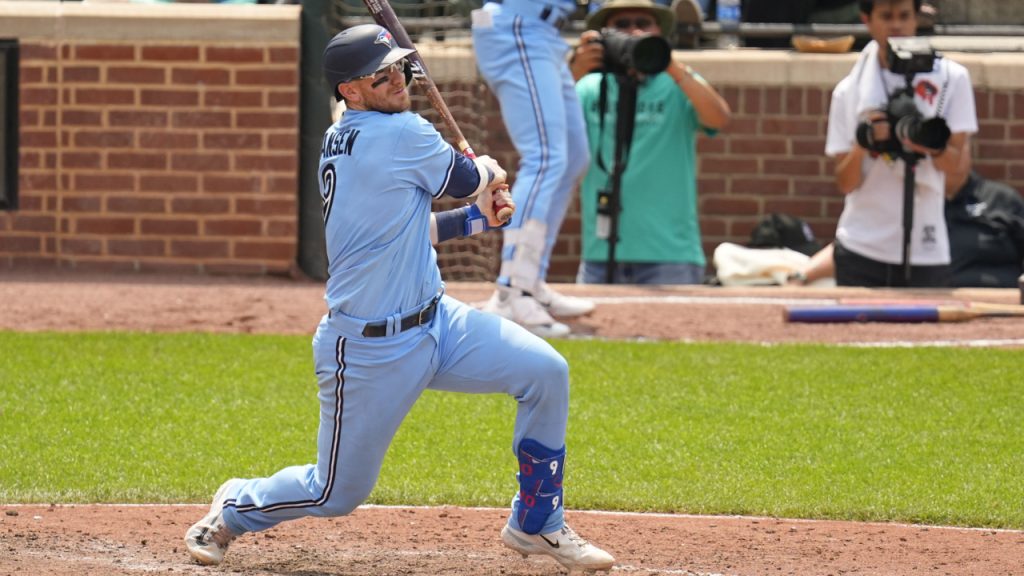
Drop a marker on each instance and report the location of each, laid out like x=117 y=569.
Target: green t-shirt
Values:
x=658 y=217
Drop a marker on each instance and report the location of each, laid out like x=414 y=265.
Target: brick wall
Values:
x=166 y=155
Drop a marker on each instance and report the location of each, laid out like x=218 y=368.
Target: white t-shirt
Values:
x=872 y=220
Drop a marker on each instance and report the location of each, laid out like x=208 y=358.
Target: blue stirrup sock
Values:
x=540 y=484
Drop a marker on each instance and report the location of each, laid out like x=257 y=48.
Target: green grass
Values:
x=919 y=435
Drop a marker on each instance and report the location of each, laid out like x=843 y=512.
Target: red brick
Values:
x=27 y=117
x=741 y=126
x=38 y=139
x=232 y=227
x=30 y=51
x=1001 y=105
x=31 y=182
x=136 y=204
x=21 y=222
x=104 y=52
x=168 y=183
x=279 y=228
x=136 y=75
x=279 y=207
x=203 y=120
x=825 y=187
x=81 y=74
x=808 y=147
x=233 y=140
x=206 y=162
x=265 y=77
x=104 y=225
x=267 y=162
x=232 y=184
x=283 y=99
x=268 y=120
x=169 y=140
x=773 y=100
x=199 y=205
x=706 y=145
x=200 y=76
x=793 y=127
x=137 y=160
x=794 y=101
x=279 y=250
x=27 y=159
x=104 y=96
x=283 y=55
x=752 y=101
x=81 y=118
x=169 y=53
x=1001 y=150
x=168 y=227
x=760 y=185
x=137 y=119
x=199 y=248
x=169 y=98
x=804 y=208
x=794 y=167
x=104 y=182
x=283 y=142
x=728 y=165
x=241 y=268
x=234 y=56
x=80 y=160
x=20 y=244
x=103 y=139
x=137 y=247
x=81 y=246
x=232 y=99
x=743 y=146
x=38 y=96
x=729 y=205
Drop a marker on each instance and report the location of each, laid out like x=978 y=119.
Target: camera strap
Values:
x=602 y=107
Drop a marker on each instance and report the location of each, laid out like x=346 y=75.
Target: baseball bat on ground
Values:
x=903 y=314
x=384 y=15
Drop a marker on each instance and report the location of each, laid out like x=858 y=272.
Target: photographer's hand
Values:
x=588 y=55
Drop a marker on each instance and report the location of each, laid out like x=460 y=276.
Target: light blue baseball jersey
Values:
x=377 y=228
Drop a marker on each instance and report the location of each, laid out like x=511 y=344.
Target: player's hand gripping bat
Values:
x=384 y=15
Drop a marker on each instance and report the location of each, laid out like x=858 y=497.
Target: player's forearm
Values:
x=848 y=170
x=955 y=160
x=457 y=223
x=712 y=110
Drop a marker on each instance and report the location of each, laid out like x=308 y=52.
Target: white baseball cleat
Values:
x=208 y=539
x=561 y=305
x=526 y=311
x=565 y=546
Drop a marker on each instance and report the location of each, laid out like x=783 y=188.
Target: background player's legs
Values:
x=363 y=399
x=482 y=353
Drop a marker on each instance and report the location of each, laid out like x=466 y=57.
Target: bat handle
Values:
x=502 y=210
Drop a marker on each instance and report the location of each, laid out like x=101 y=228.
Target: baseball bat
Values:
x=903 y=314
x=384 y=15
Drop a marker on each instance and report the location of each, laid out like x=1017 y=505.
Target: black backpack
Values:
x=784 y=231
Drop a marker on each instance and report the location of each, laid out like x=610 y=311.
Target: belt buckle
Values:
x=420 y=321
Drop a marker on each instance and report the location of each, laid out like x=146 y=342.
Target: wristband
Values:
x=475 y=222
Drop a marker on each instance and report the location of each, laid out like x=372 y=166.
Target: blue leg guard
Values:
x=540 y=484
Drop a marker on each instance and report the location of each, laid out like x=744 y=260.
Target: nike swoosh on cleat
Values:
x=554 y=544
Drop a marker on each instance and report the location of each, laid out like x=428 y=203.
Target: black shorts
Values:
x=852 y=269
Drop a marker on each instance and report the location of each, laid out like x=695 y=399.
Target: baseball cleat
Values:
x=208 y=539
x=561 y=305
x=565 y=546
x=526 y=311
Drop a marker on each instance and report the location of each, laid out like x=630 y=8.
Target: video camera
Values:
x=907 y=56
x=624 y=52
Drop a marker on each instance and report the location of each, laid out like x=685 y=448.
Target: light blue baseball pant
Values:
x=523 y=60
x=368 y=385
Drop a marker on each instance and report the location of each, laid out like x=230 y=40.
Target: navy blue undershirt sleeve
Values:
x=465 y=178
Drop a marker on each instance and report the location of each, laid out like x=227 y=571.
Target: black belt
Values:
x=545 y=15
x=424 y=316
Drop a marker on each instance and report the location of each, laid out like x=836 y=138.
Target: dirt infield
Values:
x=115 y=540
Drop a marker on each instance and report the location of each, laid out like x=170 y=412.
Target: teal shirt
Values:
x=658 y=220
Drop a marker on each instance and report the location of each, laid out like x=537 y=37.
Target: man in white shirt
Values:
x=869 y=237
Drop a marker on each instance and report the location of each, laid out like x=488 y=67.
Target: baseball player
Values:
x=390 y=331
x=521 y=55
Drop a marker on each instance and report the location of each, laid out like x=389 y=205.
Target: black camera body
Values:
x=907 y=56
x=624 y=52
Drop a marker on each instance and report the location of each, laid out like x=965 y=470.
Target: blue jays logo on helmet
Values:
x=384 y=37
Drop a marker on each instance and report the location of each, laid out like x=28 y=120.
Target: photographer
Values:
x=875 y=128
x=658 y=234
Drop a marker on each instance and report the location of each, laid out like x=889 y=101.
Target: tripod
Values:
x=610 y=199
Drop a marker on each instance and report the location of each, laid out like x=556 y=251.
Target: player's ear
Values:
x=348 y=92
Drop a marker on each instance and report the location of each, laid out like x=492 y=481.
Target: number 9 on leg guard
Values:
x=540 y=484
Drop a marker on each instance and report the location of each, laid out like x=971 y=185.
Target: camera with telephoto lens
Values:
x=907 y=56
x=624 y=52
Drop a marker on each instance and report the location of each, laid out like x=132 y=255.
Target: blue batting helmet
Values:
x=360 y=51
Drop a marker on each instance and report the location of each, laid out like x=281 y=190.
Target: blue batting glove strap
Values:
x=475 y=222
x=540 y=484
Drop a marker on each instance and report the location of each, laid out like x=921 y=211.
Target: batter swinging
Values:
x=390 y=332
